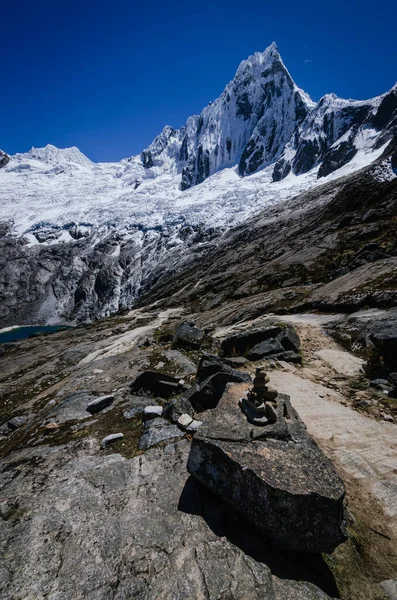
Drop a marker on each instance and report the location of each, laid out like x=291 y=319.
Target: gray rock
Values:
x=240 y=343
x=99 y=404
x=389 y=587
x=286 y=589
x=177 y=407
x=283 y=484
x=207 y=394
x=194 y=426
x=156 y=431
x=210 y=365
x=275 y=341
x=375 y=383
x=235 y=361
x=111 y=439
x=393 y=379
x=16 y=422
x=188 y=336
x=184 y=364
x=287 y=356
x=212 y=376
x=289 y=339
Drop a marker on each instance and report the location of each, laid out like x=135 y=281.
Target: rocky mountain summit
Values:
x=262 y=118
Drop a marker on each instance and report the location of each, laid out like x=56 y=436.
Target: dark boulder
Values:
x=16 y=422
x=266 y=348
x=273 y=341
x=235 y=362
x=279 y=480
x=210 y=365
x=188 y=336
x=99 y=404
x=240 y=343
x=384 y=339
x=289 y=339
x=157 y=384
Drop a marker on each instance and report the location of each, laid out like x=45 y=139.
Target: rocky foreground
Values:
x=102 y=423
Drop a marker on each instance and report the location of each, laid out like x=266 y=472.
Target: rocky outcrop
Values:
x=274 y=474
x=4 y=159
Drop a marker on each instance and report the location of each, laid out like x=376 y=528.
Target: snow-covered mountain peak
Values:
x=52 y=155
x=259 y=59
x=248 y=125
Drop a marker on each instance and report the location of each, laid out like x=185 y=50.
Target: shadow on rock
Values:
x=225 y=522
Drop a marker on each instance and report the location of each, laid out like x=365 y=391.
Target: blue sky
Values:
x=107 y=76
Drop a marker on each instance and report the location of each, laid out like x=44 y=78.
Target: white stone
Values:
x=184 y=421
x=194 y=425
x=110 y=439
x=152 y=411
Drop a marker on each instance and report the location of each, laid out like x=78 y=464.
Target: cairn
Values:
x=259 y=404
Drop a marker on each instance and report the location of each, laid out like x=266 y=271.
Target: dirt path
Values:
x=364 y=451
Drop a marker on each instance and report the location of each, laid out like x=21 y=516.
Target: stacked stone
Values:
x=259 y=405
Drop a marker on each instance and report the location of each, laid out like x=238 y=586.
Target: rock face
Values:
x=275 y=475
x=333 y=132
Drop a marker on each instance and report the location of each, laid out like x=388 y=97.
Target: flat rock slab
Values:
x=150 y=412
x=104 y=527
x=343 y=362
x=286 y=487
x=156 y=431
x=73 y=407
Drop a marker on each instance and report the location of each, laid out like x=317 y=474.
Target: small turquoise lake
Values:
x=20 y=333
